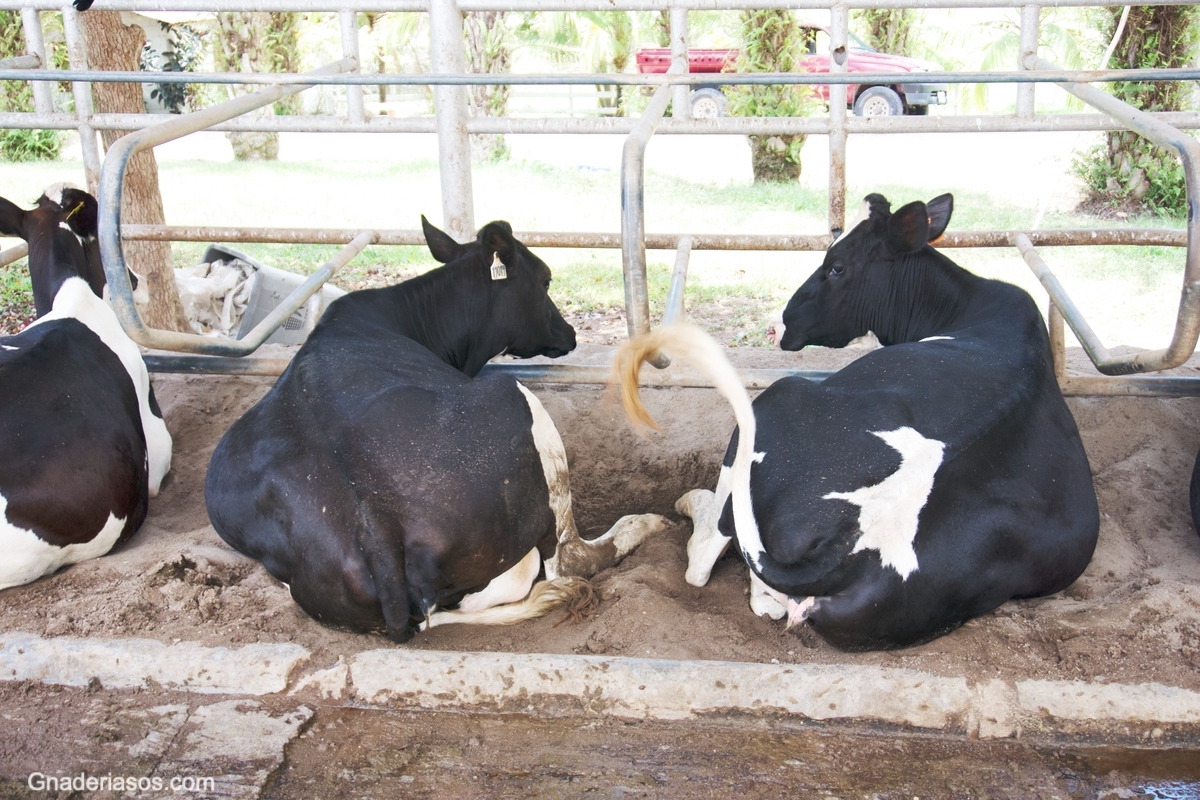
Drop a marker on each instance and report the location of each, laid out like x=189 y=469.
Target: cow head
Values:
x=866 y=281
x=61 y=233
x=509 y=292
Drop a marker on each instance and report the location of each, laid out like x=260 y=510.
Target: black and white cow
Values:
x=52 y=256
x=82 y=442
x=383 y=481
x=922 y=485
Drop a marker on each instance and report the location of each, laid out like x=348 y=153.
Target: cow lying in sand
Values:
x=82 y=441
x=383 y=481
x=922 y=485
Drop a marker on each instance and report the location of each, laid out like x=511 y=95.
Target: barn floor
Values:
x=1133 y=618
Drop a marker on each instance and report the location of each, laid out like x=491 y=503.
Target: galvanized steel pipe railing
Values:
x=633 y=214
x=1187 y=324
x=112 y=180
x=1064 y=237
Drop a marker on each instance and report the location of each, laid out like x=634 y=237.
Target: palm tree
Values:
x=1128 y=169
x=771 y=43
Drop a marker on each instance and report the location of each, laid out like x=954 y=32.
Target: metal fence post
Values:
x=354 y=94
x=31 y=22
x=838 y=36
x=1030 y=34
x=82 y=92
x=454 y=145
x=681 y=107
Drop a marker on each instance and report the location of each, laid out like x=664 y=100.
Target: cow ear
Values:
x=82 y=211
x=939 y=210
x=908 y=229
x=497 y=237
x=441 y=246
x=12 y=219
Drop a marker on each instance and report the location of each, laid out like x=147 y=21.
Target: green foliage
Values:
x=888 y=30
x=23 y=144
x=771 y=43
x=14 y=95
x=16 y=297
x=1064 y=39
x=184 y=53
x=1129 y=171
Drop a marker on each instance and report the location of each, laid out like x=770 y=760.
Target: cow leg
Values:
x=510 y=587
x=573 y=555
x=765 y=600
x=707 y=544
x=582 y=558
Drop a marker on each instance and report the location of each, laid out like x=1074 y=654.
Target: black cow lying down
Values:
x=383 y=481
x=922 y=485
x=82 y=441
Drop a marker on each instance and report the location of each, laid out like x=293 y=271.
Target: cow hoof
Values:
x=763 y=600
x=630 y=531
x=695 y=502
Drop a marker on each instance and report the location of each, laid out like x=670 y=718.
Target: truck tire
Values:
x=878 y=101
x=708 y=104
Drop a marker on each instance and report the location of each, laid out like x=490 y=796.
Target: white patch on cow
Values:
x=62 y=224
x=6 y=347
x=25 y=557
x=749 y=538
x=510 y=587
x=937 y=338
x=765 y=600
x=554 y=467
x=75 y=300
x=864 y=214
x=888 y=519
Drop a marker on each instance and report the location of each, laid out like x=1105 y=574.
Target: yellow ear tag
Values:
x=499 y=271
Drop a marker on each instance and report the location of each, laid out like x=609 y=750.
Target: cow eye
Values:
x=836 y=269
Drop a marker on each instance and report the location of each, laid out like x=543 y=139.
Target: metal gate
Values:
x=452 y=126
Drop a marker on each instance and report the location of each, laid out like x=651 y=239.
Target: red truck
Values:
x=868 y=100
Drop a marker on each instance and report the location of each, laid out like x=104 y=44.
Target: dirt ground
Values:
x=1133 y=617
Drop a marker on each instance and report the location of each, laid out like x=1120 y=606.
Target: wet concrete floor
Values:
x=293 y=748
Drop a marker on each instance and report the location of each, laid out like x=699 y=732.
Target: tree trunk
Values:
x=112 y=45
x=488 y=51
x=888 y=30
x=257 y=41
x=771 y=41
x=1129 y=170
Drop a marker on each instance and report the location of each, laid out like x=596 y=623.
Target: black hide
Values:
x=379 y=477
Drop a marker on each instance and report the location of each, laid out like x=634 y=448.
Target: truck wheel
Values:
x=878 y=101
x=708 y=104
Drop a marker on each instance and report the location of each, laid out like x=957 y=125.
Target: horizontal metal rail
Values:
x=572 y=374
x=766 y=126
x=334 y=6
x=597 y=78
x=1066 y=237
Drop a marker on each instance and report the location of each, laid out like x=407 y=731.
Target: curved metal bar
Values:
x=112 y=179
x=1187 y=323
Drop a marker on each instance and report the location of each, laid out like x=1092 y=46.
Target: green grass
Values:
x=1122 y=289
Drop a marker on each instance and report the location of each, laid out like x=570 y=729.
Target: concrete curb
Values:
x=255 y=669
x=619 y=687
